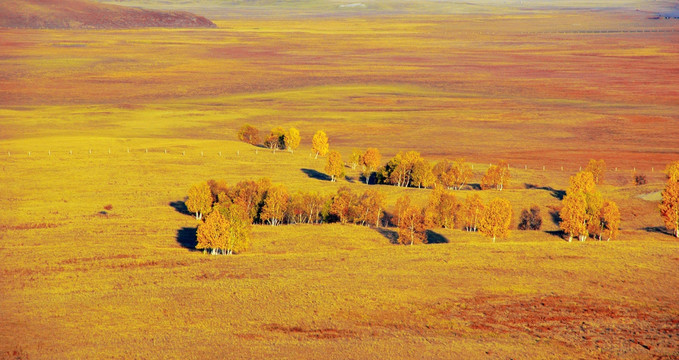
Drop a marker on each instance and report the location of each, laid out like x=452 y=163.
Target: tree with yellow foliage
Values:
x=370 y=161
x=443 y=209
x=319 y=144
x=672 y=171
x=598 y=170
x=669 y=207
x=461 y=173
x=574 y=216
x=292 y=139
x=496 y=218
x=473 y=210
x=199 y=200
x=402 y=204
x=411 y=228
x=335 y=166
x=369 y=208
x=276 y=139
x=609 y=221
x=342 y=205
x=213 y=233
x=275 y=205
x=497 y=176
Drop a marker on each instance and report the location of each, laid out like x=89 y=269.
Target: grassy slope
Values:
x=84 y=284
x=77 y=283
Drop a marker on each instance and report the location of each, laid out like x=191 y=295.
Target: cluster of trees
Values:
x=228 y=212
x=669 y=207
x=585 y=212
x=278 y=138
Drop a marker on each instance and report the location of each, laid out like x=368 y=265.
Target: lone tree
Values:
x=249 y=134
x=292 y=139
x=530 y=219
x=335 y=166
x=319 y=144
x=275 y=205
x=598 y=170
x=669 y=207
x=497 y=176
x=370 y=161
x=199 y=200
x=411 y=229
x=496 y=218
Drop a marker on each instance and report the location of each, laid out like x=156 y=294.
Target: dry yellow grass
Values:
x=80 y=281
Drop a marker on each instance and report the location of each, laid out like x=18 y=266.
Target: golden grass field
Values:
x=79 y=281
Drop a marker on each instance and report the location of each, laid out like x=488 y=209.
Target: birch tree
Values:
x=319 y=144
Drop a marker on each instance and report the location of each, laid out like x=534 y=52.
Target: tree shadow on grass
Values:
x=186 y=237
x=559 y=194
x=658 y=229
x=180 y=207
x=390 y=234
x=316 y=175
x=436 y=238
x=558 y=233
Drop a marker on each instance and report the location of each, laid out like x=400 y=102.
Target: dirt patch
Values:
x=321 y=333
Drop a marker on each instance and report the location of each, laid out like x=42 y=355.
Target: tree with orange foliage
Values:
x=411 y=228
x=574 y=215
x=422 y=175
x=669 y=207
x=402 y=204
x=276 y=139
x=581 y=206
x=370 y=161
x=319 y=144
x=369 y=208
x=342 y=204
x=497 y=176
x=473 y=211
x=335 y=166
x=443 y=173
x=250 y=195
x=598 y=170
x=212 y=234
x=249 y=134
x=443 y=209
x=496 y=218
x=275 y=205
x=199 y=200
x=609 y=221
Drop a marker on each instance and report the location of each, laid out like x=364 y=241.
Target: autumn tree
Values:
x=370 y=161
x=319 y=143
x=335 y=166
x=313 y=205
x=672 y=171
x=581 y=206
x=249 y=134
x=402 y=203
x=421 y=175
x=199 y=200
x=219 y=190
x=497 y=176
x=399 y=170
x=276 y=139
x=609 y=221
x=443 y=209
x=342 y=204
x=530 y=219
x=212 y=233
x=411 y=229
x=669 y=207
x=355 y=158
x=443 y=173
x=369 y=208
x=250 y=195
x=296 y=211
x=473 y=211
x=292 y=139
x=461 y=173
x=496 y=218
x=598 y=170
x=275 y=205
x=574 y=216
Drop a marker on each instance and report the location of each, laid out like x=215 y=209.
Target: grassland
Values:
x=80 y=281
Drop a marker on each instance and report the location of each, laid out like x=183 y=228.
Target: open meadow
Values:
x=103 y=132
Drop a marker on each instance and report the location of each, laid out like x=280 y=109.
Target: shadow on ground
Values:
x=316 y=175
x=658 y=229
x=388 y=233
x=180 y=207
x=186 y=237
x=436 y=238
x=559 y=194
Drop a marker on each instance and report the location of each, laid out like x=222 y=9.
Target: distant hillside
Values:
x=85 y=14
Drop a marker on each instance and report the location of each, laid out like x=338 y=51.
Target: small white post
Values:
x=128 y=150
x=183 y=153
x=70 y=152
x=562 y=168
x=29 y=154
x=109 y=150
x=220 y=154
x=166 y=151
x=9 y=154
x=580 y=168
x=543 y=168
x=525 y=167
x=49 y=152
x=616 y=169
x=90 y=151
x=652 y=169
x=238 y=152
x=201 y=153
x=256 y=151
x=147 y=150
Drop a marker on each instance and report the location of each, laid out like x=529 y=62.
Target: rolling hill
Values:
x=83 y=14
